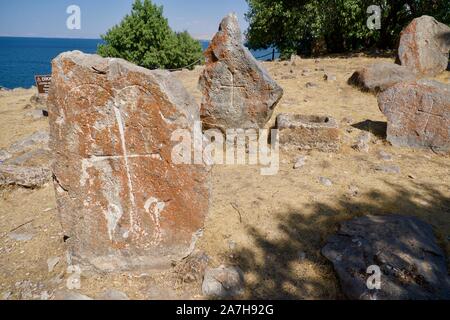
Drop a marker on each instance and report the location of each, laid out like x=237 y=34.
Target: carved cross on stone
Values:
x=428 y=115
x=232 y=87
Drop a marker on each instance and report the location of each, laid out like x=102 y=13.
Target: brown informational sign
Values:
x=43 y=83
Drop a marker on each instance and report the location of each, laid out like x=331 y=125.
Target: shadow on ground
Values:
x=377 y=128
x=273 y=274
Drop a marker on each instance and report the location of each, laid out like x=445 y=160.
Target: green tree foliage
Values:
x=145 y=38
x=294 y=26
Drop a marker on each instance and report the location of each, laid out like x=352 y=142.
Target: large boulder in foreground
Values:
x=237 y=90
x=424 y=46
x=380 y=76
x=418 y=114
x=412 y=265
x=123 y=203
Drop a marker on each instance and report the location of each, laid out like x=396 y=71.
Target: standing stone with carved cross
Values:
x=237 y=90
x=418 y=114
x=123 y=203
x=424 y=46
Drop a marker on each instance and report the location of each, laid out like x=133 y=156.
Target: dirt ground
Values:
x=272 y=227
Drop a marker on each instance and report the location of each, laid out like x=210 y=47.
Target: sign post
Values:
x=43 y=83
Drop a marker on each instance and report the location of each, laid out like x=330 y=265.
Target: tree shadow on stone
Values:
x=445 y=39
x=273 y=268
x=377 y=128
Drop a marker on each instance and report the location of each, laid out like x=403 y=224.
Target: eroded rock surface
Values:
x=424 y=46
x=237 y=91
x=123 y=203
x=412 y=265
x=418 y=114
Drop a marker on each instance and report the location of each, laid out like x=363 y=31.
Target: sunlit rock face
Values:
x=123 y=203
x=237 y=90
x=418 y=114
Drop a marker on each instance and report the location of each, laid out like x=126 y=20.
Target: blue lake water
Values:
x=23 y=58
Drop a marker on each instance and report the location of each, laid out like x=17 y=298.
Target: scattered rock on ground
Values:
x=39 y=99
x=113 y=295
x=4 y=155
x=6 y=295
x=380 y=76
x=288 y=77
x=413 y=266
x=353 y=191
x=296 y=60
x=28 y=177
x=300 y=163
x=193 y=267
x=237 y=91
x=362 y=142
x=40 y=138
x=308 y=132
x=70 y=295
x=385 y=156
x=223 y=282
x=311 y=85
x=418 y=114
x=51 y=263
x=347 y=120
x=20 y=236
x=329 y=77
x=156 y=292
x=37 y=114
x=391 y=169
x=424 y=46
x=34 y=158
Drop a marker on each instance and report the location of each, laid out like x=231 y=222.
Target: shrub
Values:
x=294 y=26
x=145 y=38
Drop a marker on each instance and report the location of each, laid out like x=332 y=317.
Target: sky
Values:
x=47 y=18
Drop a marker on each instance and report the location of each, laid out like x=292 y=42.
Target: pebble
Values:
x=4 y=155
x=347 y=120
x=51 y=263
x=385 y=156
x=388 y=169
x=111 y=295
x=302 y=255
x=325 y=181
x=223 y=282
x=6 y=295
x=70 y=295
x=232 y=245
x=362 y=142
x=156 y=292
x=353 y=191
x=300 y=163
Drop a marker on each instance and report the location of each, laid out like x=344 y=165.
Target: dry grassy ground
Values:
x=273 y=227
